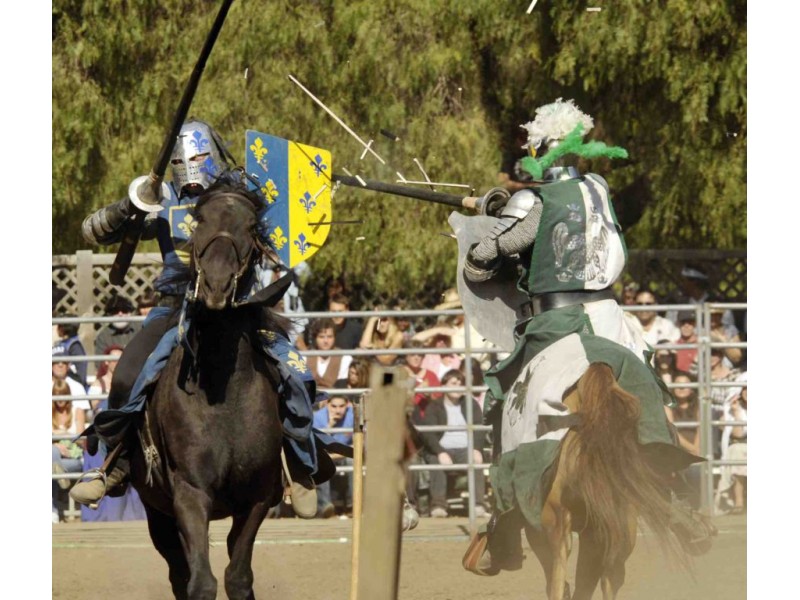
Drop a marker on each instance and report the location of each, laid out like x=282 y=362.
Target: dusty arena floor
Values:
x=296 y=559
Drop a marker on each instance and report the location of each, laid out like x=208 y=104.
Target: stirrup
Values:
x=287 y=488
x=97 y=473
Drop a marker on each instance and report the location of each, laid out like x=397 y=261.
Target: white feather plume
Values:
x=554 y=121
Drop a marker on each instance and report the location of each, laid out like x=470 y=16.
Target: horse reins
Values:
x=197 y=254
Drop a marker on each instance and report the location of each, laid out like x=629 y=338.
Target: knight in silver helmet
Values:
x=198 y=159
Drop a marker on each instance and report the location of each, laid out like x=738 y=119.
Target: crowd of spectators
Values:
x=73 y=377
x=673 y=335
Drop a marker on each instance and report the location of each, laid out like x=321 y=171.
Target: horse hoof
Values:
x=410 y=518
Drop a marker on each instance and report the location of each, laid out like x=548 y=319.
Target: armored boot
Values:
x=301 y=492
x=497 y=548
x=113 y=483
x=694 y=531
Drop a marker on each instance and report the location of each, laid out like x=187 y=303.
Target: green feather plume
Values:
x=572 y=144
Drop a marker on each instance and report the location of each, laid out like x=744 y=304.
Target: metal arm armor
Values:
x=107 y=224
x=514 y=232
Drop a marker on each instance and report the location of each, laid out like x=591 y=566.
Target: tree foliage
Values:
x=664 y=79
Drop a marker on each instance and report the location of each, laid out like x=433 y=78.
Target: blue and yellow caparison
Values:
x=296 y=181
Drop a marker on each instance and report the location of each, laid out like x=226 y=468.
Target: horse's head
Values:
x=224 y=244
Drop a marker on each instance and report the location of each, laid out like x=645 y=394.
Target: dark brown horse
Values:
x=213 y=418
x=603 y=483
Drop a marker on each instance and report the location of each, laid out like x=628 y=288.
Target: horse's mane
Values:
x=228 y=184
x=232 y=183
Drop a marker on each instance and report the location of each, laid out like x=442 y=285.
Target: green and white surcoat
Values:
x=578 y=246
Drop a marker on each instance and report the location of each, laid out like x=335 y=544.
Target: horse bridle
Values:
x=197 y=254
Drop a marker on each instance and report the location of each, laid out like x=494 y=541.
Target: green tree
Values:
x=453 y=79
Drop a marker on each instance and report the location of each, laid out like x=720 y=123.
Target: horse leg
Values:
x=557 y=523
x=166 y=538
x=239 y=573
x=614 y=574
x=540 y=545
x=590 y=564
x=192 y=509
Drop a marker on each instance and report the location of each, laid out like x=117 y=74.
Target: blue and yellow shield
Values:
x=296 y=181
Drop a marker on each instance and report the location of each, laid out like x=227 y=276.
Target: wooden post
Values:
x=85 y=307
x=379 y=539
x=358 y=491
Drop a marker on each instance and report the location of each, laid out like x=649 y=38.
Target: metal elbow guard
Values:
x=477 y=270
x=103 y=226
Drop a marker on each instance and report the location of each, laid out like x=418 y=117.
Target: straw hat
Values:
x=450 y=299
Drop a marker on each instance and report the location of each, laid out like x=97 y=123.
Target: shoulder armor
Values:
x=520 y=204
x=598 y=179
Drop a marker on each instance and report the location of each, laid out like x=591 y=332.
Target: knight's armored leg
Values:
x=114 y=426
x=693 y=529
x=497 y=545
x=297 y=416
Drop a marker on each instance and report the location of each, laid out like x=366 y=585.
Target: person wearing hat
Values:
x=565 y=236
x=694 y=289
x=118 y=333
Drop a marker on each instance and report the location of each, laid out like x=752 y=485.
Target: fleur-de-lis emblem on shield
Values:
x=260 y=152
x=318 y=165
x=270 y=191
x=277 y=238
x=302 y=244
x=308 y=202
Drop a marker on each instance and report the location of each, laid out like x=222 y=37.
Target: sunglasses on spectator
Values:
x=645 y=303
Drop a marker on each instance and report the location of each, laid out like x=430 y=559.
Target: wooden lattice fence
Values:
x=84 y=278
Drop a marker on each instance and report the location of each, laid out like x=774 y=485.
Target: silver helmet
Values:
x=198 y=157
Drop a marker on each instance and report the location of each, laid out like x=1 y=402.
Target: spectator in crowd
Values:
x=357 y=375
x=733 y=478
x=438 y=337
x=146 y=302
x=687 y=409
x=67 y=420
x=290 y=303
x=348 y=330
x=70 y=344
x=724 y=333
x=629 y=293
x=382 y=333
x=337 y=413
x=450 y=447
x=664 y=362
x=685 y=357
x=453 y=328
x=326 y=370
x=404 y=323
x=422 y=378
x=652 y=326
x=118 y=333
x=694 y=290
x=720 y=372
x=60 y=373
x=102 y=382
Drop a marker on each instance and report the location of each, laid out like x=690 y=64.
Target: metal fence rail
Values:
x=704 y=385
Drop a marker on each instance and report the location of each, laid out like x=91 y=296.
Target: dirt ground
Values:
x=296 y=559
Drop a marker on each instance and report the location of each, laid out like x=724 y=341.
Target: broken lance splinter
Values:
x=145 y=191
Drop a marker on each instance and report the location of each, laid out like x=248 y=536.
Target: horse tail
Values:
x=610 y=474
